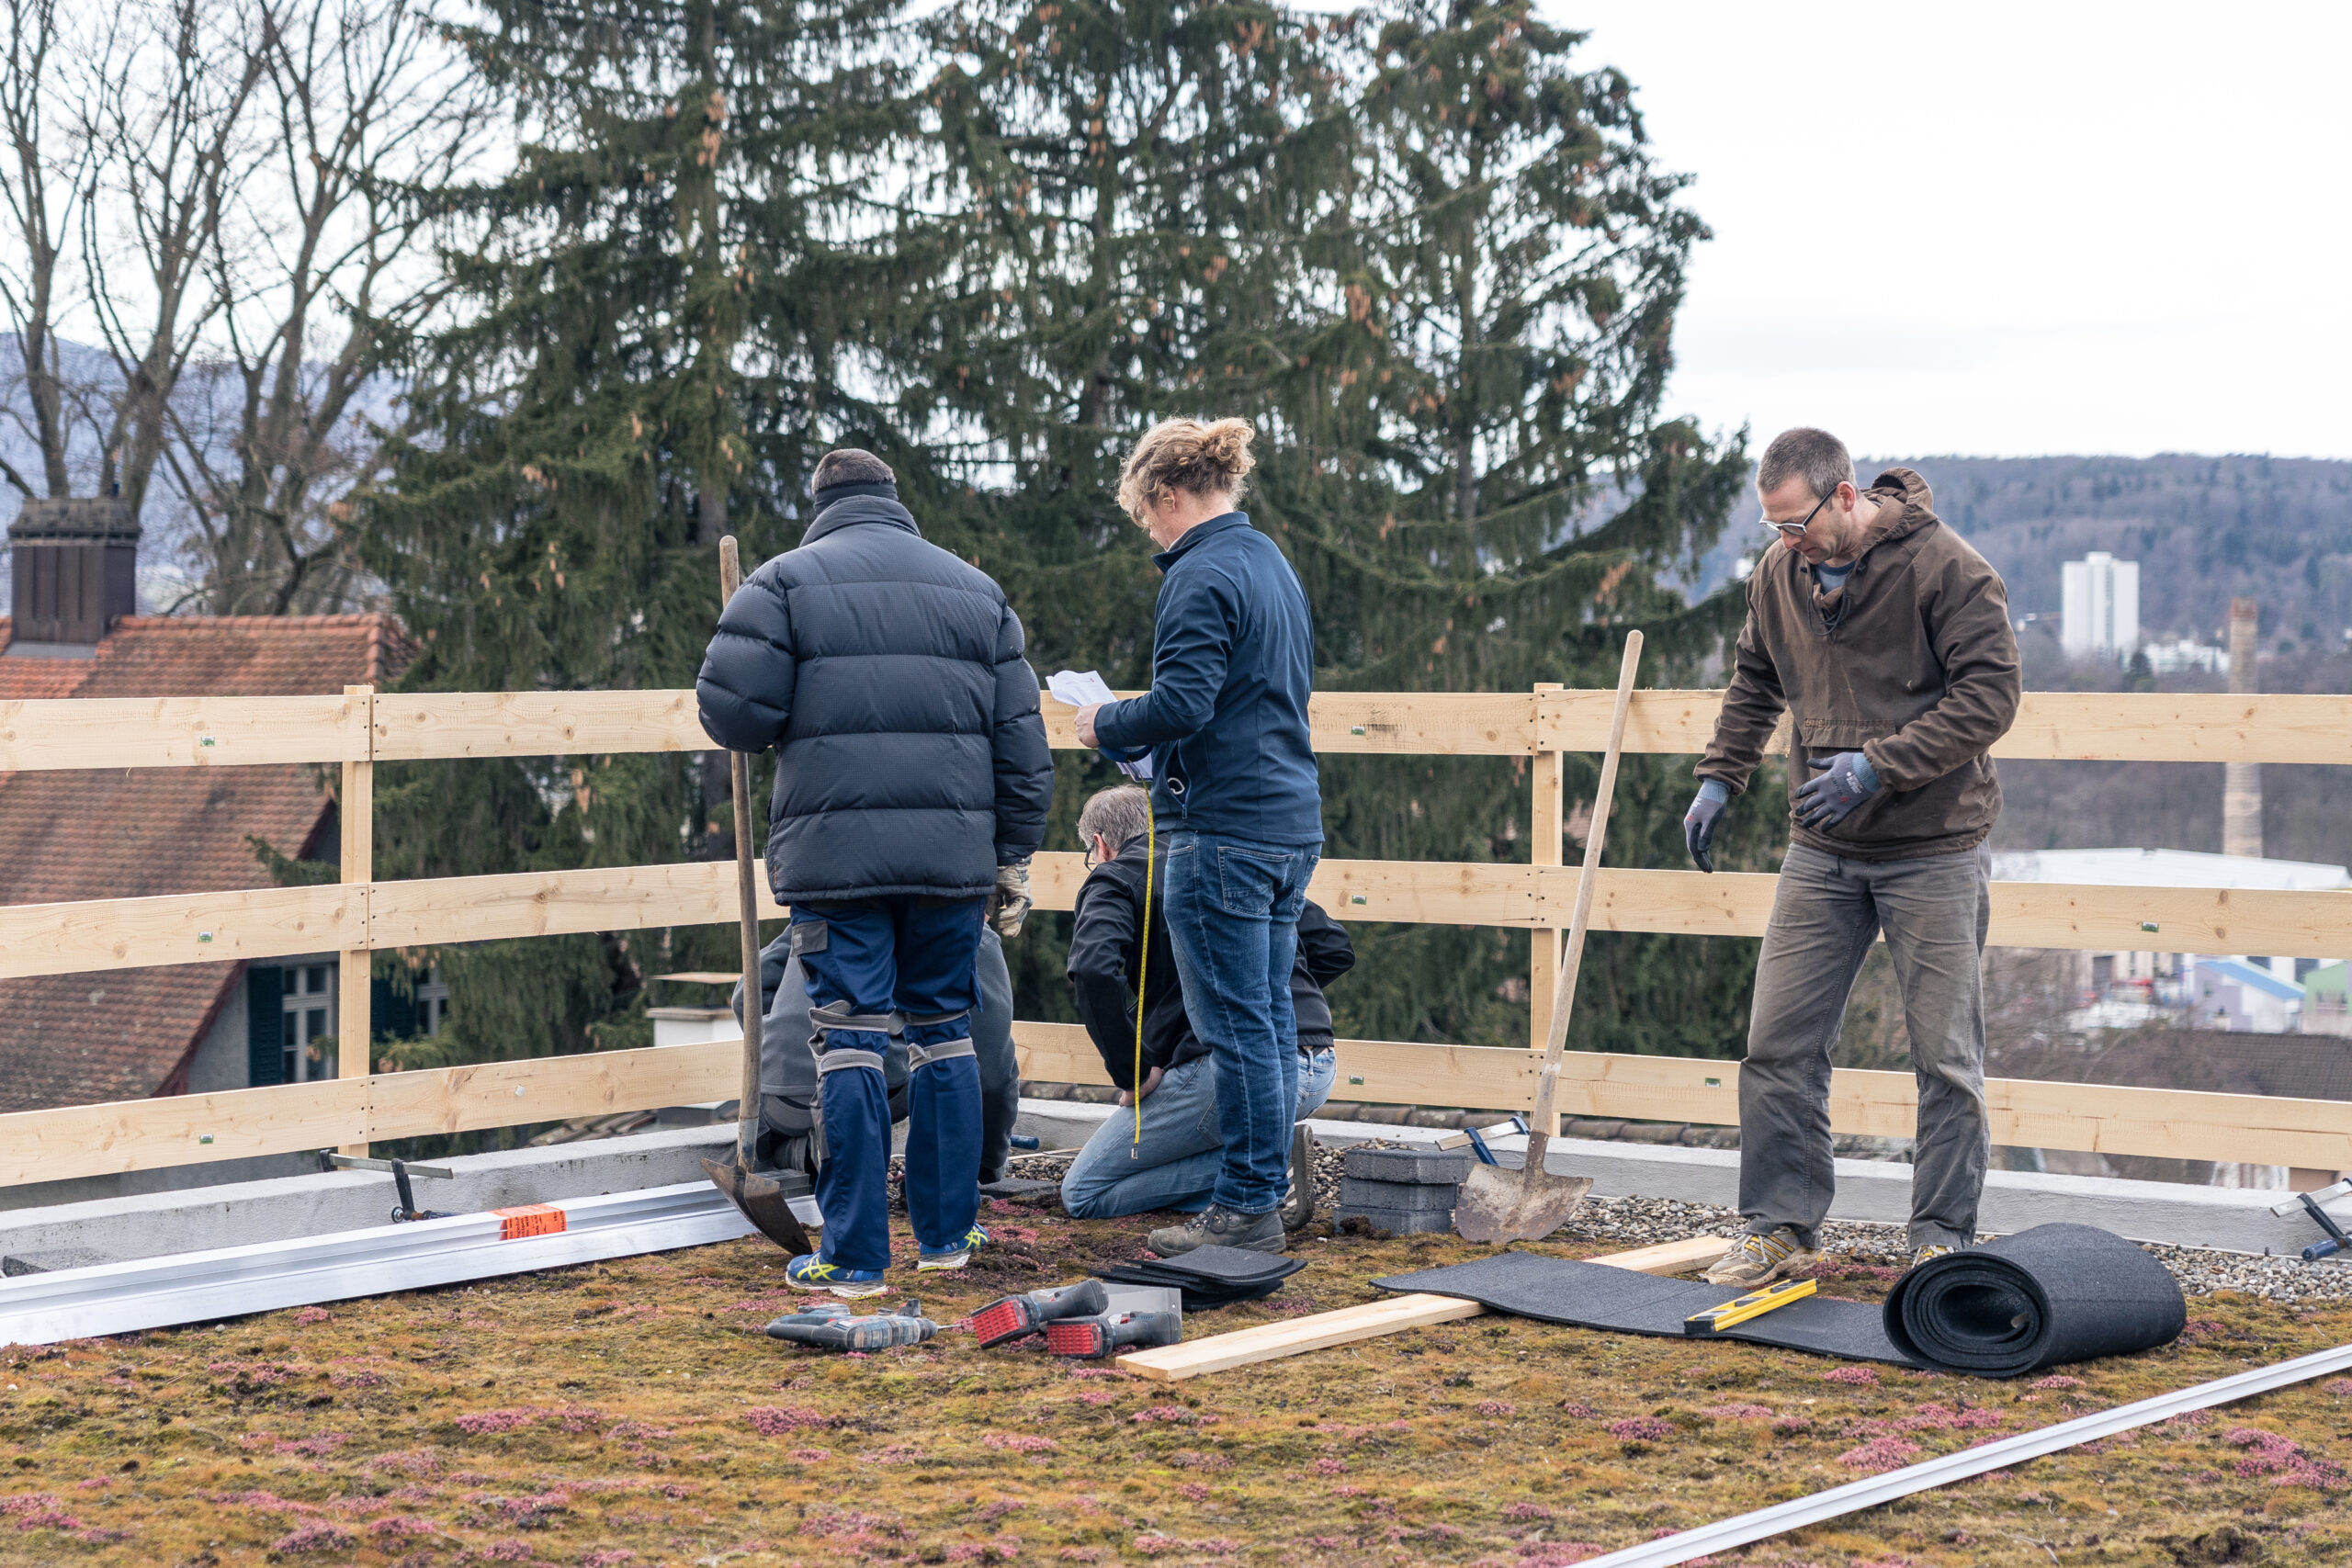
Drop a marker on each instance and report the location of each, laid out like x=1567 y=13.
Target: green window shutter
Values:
x=393 y=1014
x=265 y=1026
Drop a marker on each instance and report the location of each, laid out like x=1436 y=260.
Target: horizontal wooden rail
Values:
x=179 y=732
x=196 y=1129
x=269 y=923
x=2025 y=1113
x=147 y=1134
x=164 y=732
x=412 y=726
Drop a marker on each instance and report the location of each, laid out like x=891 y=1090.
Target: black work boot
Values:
x=1218 y=1227
x=1298 y=1208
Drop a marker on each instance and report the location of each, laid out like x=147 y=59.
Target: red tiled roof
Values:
x=116 y=833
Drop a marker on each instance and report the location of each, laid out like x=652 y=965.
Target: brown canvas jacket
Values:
x=1912 y=662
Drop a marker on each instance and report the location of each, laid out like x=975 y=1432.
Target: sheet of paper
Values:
x=1080 y=688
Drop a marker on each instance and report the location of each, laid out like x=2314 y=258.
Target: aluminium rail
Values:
x=1869 y=1492
x=231 y=1281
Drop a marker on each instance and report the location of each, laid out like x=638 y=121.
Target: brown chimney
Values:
x=74 y=564
x=2241 y=781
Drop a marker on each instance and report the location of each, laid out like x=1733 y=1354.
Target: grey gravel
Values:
x=1639 y=1222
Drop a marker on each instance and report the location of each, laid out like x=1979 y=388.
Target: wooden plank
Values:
x=550 y=903
x=409 y=725
x=1275 y=1341
x=2025 y=1113
x=2114 y=726
x=551 y=1088
x=355 y=993
x=1436 y=892
x=180 y=928
x=186 y=1129
x=1546 y=832
x=1417 y=724
x=178 y=732
x=2024 y=914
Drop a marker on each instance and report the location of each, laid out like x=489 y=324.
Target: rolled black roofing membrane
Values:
x=2051 y=1294
x=2018 y=1303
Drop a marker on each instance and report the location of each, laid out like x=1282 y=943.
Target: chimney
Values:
x=74 y=565
x=2241 y=781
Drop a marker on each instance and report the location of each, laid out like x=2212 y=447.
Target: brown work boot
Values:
x=1757 y=1261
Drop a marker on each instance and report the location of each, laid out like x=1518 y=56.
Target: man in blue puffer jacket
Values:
x=912 y=783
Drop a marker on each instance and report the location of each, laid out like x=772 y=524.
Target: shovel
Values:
x=761 y=1197
x=1499 y=1204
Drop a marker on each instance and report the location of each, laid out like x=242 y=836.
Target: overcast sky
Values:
x=2004 y=229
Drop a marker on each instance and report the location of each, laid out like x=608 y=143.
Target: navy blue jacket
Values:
x=889 y=676
x=1233 y=662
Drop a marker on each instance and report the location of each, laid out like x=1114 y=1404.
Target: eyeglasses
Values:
x=1794 y=530
x=1089 y=854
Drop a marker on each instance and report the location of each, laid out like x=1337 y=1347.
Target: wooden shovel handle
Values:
x=747 y=1128
x=1564 y=994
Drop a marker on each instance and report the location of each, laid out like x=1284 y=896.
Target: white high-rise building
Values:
x=2102 y=608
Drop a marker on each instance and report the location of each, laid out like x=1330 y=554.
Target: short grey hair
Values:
x=849 y=465
x=1118 y=814
x=1818 y=457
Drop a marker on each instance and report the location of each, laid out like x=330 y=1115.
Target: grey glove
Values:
x=1824 y=801
x=1698 y=823
x=1009 y=905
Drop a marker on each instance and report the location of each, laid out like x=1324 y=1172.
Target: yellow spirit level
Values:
x=1756 y=1303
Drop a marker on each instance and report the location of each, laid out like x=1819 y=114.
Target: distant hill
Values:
x=2203 y=529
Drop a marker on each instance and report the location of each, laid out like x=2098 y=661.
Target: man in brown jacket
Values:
x=1888 y=640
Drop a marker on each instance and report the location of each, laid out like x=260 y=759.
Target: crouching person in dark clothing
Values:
x=1168 y=1155
x=911 y=782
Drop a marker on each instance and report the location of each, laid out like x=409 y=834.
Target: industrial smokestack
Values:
x=2241 y=781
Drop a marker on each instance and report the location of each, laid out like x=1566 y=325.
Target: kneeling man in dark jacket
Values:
x=911 y=780
x=1170 y=1159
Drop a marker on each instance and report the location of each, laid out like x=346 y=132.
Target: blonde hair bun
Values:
x=1186 y=455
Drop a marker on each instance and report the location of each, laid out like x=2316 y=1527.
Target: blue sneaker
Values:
x=954 y=1256
x=810 y=1273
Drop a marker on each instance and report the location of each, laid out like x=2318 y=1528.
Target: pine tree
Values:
x=661 y=296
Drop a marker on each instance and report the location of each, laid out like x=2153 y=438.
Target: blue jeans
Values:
x=1233 y=920
x=1175 y=1164
x=864 y=962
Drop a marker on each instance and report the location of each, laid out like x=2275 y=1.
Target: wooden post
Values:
x=355 y=1019
x=1546 y=825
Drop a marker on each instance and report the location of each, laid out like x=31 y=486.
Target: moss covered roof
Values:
x=631 y=1414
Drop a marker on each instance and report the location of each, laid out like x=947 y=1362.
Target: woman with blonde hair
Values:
x=1235 y=798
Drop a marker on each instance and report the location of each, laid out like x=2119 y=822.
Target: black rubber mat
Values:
x=1210 y=1277
x=1593 y=1295
x=2015 y=1304
x=2018 y=1303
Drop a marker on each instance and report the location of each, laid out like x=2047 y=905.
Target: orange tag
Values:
x=530 y=1219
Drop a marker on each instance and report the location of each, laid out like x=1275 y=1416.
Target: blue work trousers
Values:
x=864 y=961
x=1233 y=920
x=1173 y=1163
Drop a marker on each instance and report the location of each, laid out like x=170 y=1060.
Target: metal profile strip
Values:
x=1870 y=1491
x=231 y=1281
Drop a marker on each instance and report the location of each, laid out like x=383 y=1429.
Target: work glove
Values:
x=1698 y=823
x=1009 y=905
x=1824 y=801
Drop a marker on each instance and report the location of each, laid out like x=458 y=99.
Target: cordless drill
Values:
x=1016 y=1317
x=1104 y=1335
x=837 y=1325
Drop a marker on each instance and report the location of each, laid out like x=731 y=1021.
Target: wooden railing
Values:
x=360 y=916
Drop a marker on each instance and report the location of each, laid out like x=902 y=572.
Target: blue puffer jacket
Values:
x=889 y=675
x=1232 y=664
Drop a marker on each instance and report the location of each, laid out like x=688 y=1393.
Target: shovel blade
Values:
x=762 y=1200
x=1497 y=1204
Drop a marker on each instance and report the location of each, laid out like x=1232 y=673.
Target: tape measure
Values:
x=1756 y=1303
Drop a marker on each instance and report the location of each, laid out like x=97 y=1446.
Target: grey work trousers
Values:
x=1825 y=915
